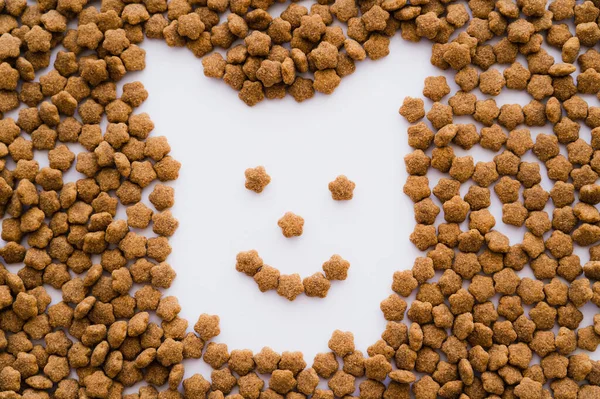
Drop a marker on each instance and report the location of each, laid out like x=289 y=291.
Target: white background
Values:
x=358 y=132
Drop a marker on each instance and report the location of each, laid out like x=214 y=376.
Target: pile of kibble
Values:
x=478 y=327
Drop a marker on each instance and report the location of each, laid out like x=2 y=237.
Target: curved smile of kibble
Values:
x=290 y=286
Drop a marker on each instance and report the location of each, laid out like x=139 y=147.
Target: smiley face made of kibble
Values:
x=290 y=286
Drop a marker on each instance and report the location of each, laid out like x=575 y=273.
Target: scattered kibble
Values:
x=478 y=326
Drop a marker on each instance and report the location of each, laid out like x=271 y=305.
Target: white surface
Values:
x=358 y=132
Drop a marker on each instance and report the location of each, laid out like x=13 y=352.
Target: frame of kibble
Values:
x=477 y=327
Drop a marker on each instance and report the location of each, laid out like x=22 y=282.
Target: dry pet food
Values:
x=289 y=287
x=291 y=225
x=489 y=318
x=342 y=189
x=257 y=179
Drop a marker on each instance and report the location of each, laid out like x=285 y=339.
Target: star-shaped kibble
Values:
x=342 y=189
x=316 y=285
x=291 y=225
x=257 y=179
x=336 y=268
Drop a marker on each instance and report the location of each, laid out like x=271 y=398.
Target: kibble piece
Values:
x=251 y=93
x=282 y=381
x=417 y=187
x=139 y=216
x=436 y=88
x=412 y=108
x=162 y=197
x=326 y=81
x=491 y=82
x=341 y=343
x=307 y=381
x=316 y=285
x=216 y=355
x=257 y=179
x=417 y=163
x=290 y=286
x=293 y=361
x=266 y=360
x=446 y=189
x=404 y=283
x=336 y=268
x=267 y=278
x=462 y=168
x=342 y=189
x=269 y=73
x=258 y=43
x=214 y=65
x=207 y=326
x=248 y=262
x=291 y=225
x=440 y=115
x=455 y=210
x=164 y=223
x=517 y=76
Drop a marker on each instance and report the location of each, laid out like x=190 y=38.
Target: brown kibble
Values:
x=98 y=384
x=293 y=361
x=271 y=73
x=428 y=25
x=326 y=81
x=207 y=326
x=440 y=115
x=266 y=360
x=251 y=93
x=325 y=364
x=139 y=216
x=216 y=354
x=162 y=197
x=258 y=44
x=257 y=179
x=290 y=286
x=342 y=188
x=528 y=389
x=377 y=46
x=282 y=381
x=250 y=386
x=436 y=88
x=316 y=285
x=412 y=108
x=393 y=308
x=417 y=188
x=291 y=225
x=248 y=262
x=423 y=236
x=164 y=223
x=267 y=278
x=341 y=343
